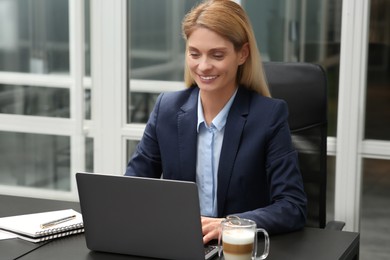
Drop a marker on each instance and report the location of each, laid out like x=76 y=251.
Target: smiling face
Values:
x=213 y=61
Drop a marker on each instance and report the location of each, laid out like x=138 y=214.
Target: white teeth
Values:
x=208 y=77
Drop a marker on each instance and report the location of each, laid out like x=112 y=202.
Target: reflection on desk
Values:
x=310 y=243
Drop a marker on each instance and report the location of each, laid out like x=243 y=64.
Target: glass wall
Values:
x=377 y=124
x=304 y=31
x=156 y=50
x=375 y=228
x=35 y=160
x=34 y=36
x=34 y=101
x=37 y=129
x=375 y=214
x=155 y=42
x=35 y=40
x=330 y=188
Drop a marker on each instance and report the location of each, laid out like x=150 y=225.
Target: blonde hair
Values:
x=229 y=20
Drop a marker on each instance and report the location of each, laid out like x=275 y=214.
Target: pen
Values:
x=57 y=221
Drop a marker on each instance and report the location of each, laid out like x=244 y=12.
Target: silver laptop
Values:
x=141 y=216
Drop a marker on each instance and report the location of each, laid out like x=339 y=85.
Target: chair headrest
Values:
x=304 y=87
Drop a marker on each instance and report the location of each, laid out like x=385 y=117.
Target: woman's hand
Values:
x=211 y=227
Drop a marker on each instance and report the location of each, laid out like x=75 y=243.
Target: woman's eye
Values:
x=218 y=56
x=194 y=54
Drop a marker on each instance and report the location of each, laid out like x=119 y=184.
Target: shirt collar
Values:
x=220 y=120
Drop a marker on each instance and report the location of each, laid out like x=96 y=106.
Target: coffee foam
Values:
x=238 y=237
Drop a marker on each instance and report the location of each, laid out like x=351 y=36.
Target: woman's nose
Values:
x=204 y=64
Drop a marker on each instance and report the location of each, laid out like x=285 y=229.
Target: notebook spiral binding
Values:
x=58 y=235
x=60 y=230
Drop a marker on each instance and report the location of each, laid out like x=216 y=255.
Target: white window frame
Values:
x=351 y=112
x=109 y=77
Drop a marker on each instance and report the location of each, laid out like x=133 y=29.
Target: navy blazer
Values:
x=258 y=174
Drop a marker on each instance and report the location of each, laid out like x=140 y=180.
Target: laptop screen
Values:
x=141 y=216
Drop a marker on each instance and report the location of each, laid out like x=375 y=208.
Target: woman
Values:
x=224 y=131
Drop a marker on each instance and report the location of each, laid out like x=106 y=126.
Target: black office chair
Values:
x=304 y=87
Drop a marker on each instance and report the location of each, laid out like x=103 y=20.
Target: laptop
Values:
x=142 y=216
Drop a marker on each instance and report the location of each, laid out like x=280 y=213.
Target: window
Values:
x=41 y=131
x=156 y=52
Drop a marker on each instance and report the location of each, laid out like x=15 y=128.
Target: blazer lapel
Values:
x=187 y=137
x=231 y=141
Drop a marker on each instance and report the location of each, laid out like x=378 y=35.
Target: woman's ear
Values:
x=243 y=53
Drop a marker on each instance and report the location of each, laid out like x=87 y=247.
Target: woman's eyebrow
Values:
x=218 y=49
x=210 y=50
x=192 y=48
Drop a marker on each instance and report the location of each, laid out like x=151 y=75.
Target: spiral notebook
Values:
x=43 y=226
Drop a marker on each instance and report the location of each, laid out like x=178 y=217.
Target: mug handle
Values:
x=266 y=245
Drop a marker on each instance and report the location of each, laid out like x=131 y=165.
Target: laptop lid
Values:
x=141 y=216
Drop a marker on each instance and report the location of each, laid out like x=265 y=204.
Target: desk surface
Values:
x=309 y=243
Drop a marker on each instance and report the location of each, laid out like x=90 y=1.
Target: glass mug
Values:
x=238 y=239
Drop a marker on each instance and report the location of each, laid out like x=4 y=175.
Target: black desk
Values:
x=310 y=243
